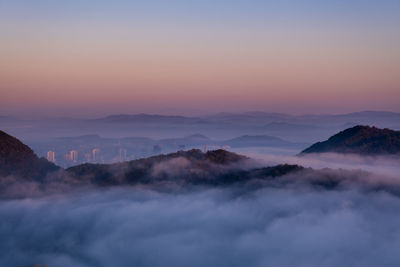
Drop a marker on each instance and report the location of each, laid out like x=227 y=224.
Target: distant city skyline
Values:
x=93 y=58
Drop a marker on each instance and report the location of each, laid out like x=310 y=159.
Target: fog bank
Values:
x=213 y=227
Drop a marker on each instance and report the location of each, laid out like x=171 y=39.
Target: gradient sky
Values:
x=92 y=58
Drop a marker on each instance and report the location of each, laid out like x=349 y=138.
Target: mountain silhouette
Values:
x=193 y=167
x=182 y=169
x=363 y=140
x=216 y=167
x=19 y=160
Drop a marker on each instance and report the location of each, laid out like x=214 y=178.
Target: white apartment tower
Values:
x=51 y=156
x=73 y=155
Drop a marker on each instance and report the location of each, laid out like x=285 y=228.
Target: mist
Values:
x=299 y=219
x=340 y=210
x=171 y=133
x=214 y=227
x=381 y=165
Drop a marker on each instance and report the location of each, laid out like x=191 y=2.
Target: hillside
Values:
x=192 y=167
x=17 y=159
x=362 y=140
x=189 y=166
x=179 y=170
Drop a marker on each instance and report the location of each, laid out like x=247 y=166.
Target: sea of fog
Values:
x=381 y=165
x=285 y=226
x=288 y=224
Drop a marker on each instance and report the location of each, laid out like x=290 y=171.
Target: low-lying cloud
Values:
x=386 y=165
x=287 y=226
x=324 y=217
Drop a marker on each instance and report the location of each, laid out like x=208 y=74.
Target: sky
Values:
x=69 y=58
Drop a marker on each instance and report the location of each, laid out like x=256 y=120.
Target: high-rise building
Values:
x=51 y=156
x=96 y=155
x=73 y=155
x=122 y=154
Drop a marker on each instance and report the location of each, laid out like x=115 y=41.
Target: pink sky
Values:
x=92 y=67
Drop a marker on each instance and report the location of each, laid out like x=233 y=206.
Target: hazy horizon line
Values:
x=182 y=114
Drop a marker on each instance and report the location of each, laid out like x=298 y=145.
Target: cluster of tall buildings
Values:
x=73 y=156
x=94 y=156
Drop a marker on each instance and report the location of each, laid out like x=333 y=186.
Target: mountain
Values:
x=81 y=138
x=19 y=160
x=248 y=117
x=294 y=128
x=179 y=170
x=360 y=139
x=193 y=167
x=191 y=140
x=182 y=165
x=140 y=147
x=13 y=151
x=146 y=118
x=257 y=141
x=283 y=126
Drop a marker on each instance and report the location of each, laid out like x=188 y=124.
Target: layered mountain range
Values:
x=189 y=167
x=293 y=128
x=218 y=167
x=193 y=167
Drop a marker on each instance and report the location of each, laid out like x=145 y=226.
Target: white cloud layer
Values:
x=214 y=227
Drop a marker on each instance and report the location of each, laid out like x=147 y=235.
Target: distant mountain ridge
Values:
x=364 y=140
x=145 y=118
x=259 y=141
x=263 y=121
x=294 y=128
x=25 y=174
x=141 y=147
x=278 y=117
x=284 y=126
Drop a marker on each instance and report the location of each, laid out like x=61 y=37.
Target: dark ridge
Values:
x=179 y=169
x=17 y=159
x=221 y=156
x=13 y=151
x=266 y=173
x=362 y=140
x=191 y=167
x=196 y=165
